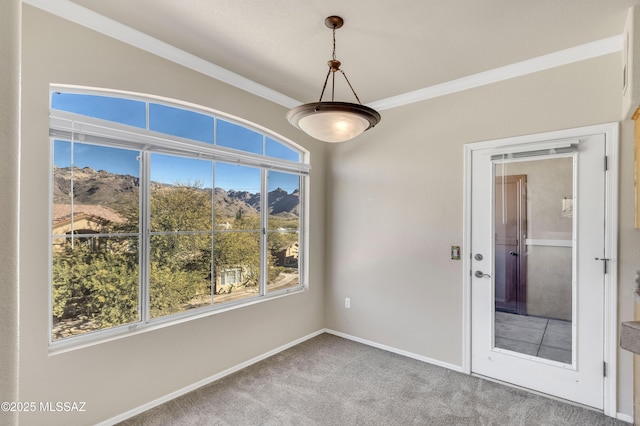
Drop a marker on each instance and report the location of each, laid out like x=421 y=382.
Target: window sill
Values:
x=99 y=337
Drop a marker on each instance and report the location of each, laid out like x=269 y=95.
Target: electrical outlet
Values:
x=347 y=302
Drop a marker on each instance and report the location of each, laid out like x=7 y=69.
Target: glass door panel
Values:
x=533 y=256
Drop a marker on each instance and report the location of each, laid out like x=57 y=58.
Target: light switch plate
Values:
x=455 y=252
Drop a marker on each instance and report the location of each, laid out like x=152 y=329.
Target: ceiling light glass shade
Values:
x=333 y=121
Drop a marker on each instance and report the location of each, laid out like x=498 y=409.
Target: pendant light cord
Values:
x=334 y=65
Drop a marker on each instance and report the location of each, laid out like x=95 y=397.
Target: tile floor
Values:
x=542 y=337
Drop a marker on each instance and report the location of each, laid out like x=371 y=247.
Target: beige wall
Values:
x=123 y=374
x=396 y=205
x=10 y=10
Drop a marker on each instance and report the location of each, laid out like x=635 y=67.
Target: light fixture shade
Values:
x=333 y=121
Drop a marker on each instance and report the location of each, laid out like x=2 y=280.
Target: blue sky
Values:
x=177 y=122
x=170 y=169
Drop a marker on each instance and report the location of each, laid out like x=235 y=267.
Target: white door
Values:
x=556 y=345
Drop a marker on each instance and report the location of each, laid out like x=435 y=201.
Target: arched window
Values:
x=194 y=210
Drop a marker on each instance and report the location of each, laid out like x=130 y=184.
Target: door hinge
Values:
x=604 y=369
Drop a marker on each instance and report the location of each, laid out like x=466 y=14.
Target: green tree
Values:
x=180 y=264
x=239 y=247
x=96 y=279
x=98 y=282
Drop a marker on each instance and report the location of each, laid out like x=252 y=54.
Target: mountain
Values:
x=113 y=190
x=281 y=203
x=233 y=202
x=94 y=187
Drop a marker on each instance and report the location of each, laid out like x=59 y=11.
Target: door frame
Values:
x=611 y=133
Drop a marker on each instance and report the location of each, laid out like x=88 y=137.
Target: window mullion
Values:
x=213 y=231
x=145 y=238
x=71 y=189
x=302 y=232
x=264 y=215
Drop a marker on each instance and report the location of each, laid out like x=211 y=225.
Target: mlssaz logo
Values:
x=64 y=406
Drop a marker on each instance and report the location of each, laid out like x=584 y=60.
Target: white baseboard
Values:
x=625 y=418
x=144 y=407
x=428 y=360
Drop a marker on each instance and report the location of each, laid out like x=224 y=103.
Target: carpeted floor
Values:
x=328 y=380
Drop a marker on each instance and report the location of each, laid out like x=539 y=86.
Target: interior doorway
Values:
x=510 y=260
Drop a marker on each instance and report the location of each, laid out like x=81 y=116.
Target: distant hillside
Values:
x=108 y=189
x=232 y=202
x=281 y=203
x=94 y=187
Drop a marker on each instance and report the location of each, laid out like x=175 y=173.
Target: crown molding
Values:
x=529 y=66
x=92 y=20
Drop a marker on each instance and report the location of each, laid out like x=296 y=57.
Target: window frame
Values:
x=69 y=126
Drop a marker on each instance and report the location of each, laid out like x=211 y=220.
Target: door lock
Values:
x=604 y=264
x=480 y=274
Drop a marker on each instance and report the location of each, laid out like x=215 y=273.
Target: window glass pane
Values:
x=180 y=194
x=179 y=273
x=237 y=240
x=125 y=111
x=284 y=200
x=181 y=122
x=237 y=197
x=94 y=284
x=283 y=266
x=279 y=150
x=95 y=189
x=236 y=265
x=61 y=219
x=283 y=230
x=238 y=137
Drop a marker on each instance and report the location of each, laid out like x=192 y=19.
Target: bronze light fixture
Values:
x=332 y=121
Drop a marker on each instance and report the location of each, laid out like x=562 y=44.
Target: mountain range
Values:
x=109 y=189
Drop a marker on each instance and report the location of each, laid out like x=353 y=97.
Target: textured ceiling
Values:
x=387 y=48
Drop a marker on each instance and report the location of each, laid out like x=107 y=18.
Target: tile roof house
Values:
x=85 y=218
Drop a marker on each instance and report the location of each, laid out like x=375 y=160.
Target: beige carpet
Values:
x=333 y=381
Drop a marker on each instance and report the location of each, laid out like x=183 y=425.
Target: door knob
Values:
x=480 y=274
x=513 y=253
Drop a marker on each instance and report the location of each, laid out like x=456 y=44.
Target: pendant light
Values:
x=332 y=121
